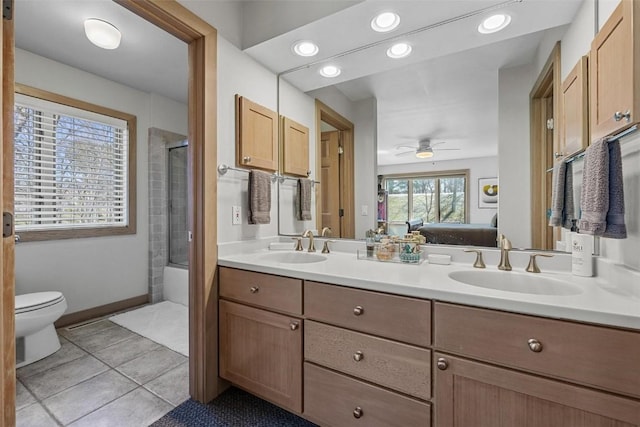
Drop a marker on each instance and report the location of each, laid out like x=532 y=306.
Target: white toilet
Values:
x=36 y=336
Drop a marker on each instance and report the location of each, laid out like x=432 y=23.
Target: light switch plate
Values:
x=364 y=210
x=236 y=218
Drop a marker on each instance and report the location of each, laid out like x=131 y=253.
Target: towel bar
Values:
x=223 y=169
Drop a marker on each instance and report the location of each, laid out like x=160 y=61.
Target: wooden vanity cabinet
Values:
x=614 y=72
x=470 y=393
x=256 y=136
x=574 y=134
x=261 y=349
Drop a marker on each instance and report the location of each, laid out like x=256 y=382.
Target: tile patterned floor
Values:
x=104 y=375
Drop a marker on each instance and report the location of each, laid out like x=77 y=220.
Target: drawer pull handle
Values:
x=254 y=289
x=294 y=325
x=535 y=345
x=442 y=364
x=358 y=310
x=357 y=413
x=358 y=356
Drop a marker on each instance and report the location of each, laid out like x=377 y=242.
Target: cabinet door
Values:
x=574 y=136
x=256 y=135
x=474 y=394
x=261 y=352
x=295 y=148
x=614 y=66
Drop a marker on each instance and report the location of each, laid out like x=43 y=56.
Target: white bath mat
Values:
x=166 y=323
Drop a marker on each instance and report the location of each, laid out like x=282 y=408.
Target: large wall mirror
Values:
x=457 y=106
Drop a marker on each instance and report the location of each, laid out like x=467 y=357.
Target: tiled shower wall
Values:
x=159 y=143
x=178 y=239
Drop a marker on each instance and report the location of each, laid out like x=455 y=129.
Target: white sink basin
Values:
x=509 y=281
x=293 y=257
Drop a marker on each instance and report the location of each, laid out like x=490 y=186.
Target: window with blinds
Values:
x=71 y=169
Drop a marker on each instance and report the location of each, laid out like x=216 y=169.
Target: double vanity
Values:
x=344 y=341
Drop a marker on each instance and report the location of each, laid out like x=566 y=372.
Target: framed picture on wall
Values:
x=487 y=193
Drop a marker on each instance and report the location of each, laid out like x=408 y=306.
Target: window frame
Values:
x=433 y=174
x=73 y=233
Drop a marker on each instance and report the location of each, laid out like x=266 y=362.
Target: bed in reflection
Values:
x=457 y=234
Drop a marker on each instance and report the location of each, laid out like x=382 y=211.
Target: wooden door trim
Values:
x=7 y=264
x=204 y=384
x=548 y=83
x=324 y=113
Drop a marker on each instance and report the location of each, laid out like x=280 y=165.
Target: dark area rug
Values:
x=233 y=408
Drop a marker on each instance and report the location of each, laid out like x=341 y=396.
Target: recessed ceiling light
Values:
x=305 y=48
x=494 y=23
x=102 y=34
x=399 y=50
x=385 y=22
x=330 y=71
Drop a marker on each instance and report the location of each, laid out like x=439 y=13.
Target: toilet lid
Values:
x=37 y=300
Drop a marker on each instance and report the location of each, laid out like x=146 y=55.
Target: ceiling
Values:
x=446 y=90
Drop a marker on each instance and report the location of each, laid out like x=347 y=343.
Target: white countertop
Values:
x=613 y=299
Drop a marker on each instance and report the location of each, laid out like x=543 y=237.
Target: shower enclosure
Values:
x=177 y=206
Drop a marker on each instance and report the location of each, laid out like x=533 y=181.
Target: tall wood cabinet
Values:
x=614 y=72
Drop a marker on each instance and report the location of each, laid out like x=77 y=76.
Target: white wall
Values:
x=514 y=205
x=239 y=74
x=480 y=167
x=366 y=165
x=95 y=271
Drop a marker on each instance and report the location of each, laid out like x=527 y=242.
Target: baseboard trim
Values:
x=103 y=310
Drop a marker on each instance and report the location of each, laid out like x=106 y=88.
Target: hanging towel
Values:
x=616 y=228
x=259 y=197
x=303 y=207
x=594 y=200
x=569 y=215
x=557 y=194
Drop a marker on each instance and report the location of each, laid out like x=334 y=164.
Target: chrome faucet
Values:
x=505 y=247
x=309 y=234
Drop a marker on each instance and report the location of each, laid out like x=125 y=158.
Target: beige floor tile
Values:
x=103 y=338
x=151 y=365
x=84 y=398
x=64 y=376
x=135 y=409
x=23 y=396
x=124 y=351
x=172 y=386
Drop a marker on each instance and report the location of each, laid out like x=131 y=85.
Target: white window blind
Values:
x=70 y=167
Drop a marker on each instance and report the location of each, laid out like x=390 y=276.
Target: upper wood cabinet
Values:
x=574 y=133
x=256 y=135
x=615 y=72
x=295 y=148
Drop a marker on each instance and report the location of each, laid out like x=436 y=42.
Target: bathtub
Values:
x=176 y=285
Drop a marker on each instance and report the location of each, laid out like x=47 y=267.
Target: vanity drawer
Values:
x=331 y=399
x=400 y=318
x=391 y=364
x=603 y=357
x=262 y=290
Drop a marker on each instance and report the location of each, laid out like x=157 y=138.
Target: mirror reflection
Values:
x=442 y=135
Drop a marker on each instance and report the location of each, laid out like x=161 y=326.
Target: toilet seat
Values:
x=36 y=301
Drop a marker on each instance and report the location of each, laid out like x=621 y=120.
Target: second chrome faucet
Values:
x=505 y=246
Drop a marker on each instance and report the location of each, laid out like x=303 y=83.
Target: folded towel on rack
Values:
x=616 y=228
x=557 y=194
x=569 y=214
x=303 y=199
x=259 y=197
x=594 y=198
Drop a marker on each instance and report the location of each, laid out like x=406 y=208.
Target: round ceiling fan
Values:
x=423 y=150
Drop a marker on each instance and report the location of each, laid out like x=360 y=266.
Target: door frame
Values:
x=546 y=86
x=326 y=114
x=204 y=384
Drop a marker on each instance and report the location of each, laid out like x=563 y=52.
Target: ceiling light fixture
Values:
x=305 y=48
x=385 y=22
x=424 y=153
x=494 y=23
x=330 y=71
x=399 y=50
x=102 y=34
